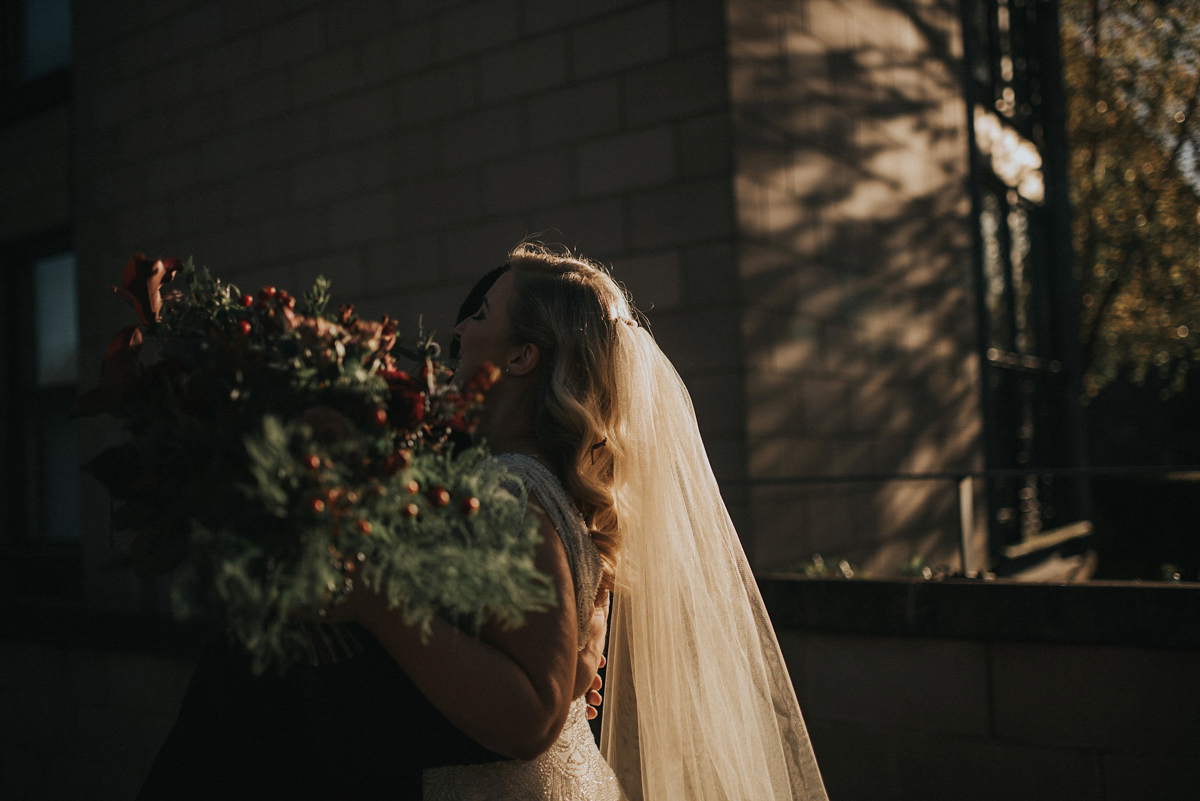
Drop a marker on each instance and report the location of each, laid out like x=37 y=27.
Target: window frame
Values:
x=56 y=568
x=1031 y=415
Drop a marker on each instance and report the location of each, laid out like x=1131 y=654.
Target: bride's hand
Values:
x=591 y=658
x=593 y=698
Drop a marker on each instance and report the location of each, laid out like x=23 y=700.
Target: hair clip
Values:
x=599 y=444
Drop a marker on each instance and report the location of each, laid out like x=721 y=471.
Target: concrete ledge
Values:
x=1123 y=614
x=1128 y=614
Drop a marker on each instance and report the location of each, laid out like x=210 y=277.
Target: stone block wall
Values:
x=854 y=263
x=781 y=184
x=907 y=717
x=401 y=149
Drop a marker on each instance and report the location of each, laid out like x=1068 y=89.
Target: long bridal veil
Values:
x=699 y=705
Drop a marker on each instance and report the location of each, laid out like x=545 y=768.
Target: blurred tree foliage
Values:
x=1132 y=80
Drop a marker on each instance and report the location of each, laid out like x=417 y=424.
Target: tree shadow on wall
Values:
x=855 y=265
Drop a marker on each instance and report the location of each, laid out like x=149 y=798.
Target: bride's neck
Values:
x=507 y=426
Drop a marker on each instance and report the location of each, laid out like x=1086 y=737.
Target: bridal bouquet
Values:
x=277 y=454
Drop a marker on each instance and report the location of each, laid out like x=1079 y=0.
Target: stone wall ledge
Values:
x=1112 y=613
x=1129 y=614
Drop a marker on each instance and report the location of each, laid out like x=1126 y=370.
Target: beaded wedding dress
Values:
x=572 y=769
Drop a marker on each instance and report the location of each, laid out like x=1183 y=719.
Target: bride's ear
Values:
x=525 y=360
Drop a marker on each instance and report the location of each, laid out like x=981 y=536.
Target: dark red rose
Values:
x=407 y=405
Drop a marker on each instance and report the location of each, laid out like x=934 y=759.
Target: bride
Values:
x=597 y=425
x=594 y=419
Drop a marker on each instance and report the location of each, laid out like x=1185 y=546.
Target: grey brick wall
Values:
x=852 y=209
x=402 y=148
x=897 y=717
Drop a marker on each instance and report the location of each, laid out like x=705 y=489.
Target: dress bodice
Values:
x=582 y=555
x=572 y=769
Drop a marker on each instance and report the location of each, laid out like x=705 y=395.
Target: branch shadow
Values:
x=859 y=330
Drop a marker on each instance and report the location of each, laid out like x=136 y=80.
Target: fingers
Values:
x=593 y=694
x=591 y=713
x=603 y=662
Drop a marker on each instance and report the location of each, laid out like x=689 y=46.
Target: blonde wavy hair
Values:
x=570 y=307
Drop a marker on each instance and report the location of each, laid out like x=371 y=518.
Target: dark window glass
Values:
x=47 y=37
x=1028 y=331
x=53 y=444
x=35 y=57
x=57 y=335
x=41 y=385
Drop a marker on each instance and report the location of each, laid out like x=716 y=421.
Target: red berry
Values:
x=438 y=496
x=244 y=327
x=313 y=461
x=364 y=526
x=410 y=510
x=247 y=300
x=317 y=505
x=412 y=486
x=404 y=459
x=470 y=506
x=267 y=292
x=379 y=417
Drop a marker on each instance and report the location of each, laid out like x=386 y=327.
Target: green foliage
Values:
x=1132 y=81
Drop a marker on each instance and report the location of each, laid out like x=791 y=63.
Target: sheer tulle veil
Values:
x=699 y=705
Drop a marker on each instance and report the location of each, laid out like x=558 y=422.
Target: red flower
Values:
x=407 y=406
x=142 y=283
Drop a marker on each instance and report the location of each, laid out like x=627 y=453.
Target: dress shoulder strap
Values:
x=582 y=555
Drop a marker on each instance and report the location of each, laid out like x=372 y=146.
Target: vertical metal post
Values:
x=966 y=522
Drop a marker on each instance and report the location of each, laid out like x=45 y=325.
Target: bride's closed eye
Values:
x=477 y=315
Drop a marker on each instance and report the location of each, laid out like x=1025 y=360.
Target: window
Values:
x=40 y=448
x=46 y=38
x=1027 y=298
x=35 y=56
x=51 y=440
